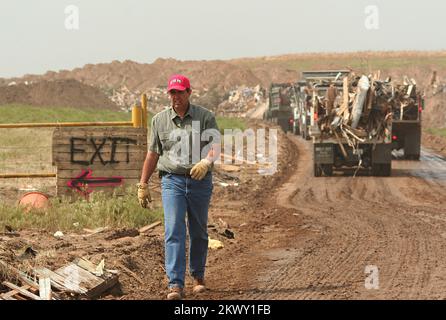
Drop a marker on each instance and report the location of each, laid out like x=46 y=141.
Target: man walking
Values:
x=184 y=163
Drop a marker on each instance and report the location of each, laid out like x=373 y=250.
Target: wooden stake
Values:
x=45 y=288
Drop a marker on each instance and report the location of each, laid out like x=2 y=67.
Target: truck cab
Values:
x=279 y=109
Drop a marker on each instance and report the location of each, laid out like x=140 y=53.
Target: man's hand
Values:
x=200 y=169
x=143 y=194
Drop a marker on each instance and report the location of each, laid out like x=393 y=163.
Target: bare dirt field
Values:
x=295 y=236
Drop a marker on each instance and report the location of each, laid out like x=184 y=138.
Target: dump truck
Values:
x=301 y=114
x=351 y=127
x=279 y=109
x=408 y=105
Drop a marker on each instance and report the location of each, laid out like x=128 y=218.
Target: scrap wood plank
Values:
x=56 y=280
x=97 y=270
x=24 y=277
x=150 y=226
x=27 y=279
x=45 y=288
x=84 y=282
x=9 y=295
x=71 y=277
x=95 y=231
x=370 y=96
x=344 y=106
x=22 y=291
x=85 y=264
x=77 y=277
x=10 y=234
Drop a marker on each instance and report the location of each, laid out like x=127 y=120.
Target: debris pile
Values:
x=157 y=98
x=362 y=108
x=78 y=279
x=240 y=100
x=124 y=98
x=406 y=101
x=234 y=103
x=436 y=86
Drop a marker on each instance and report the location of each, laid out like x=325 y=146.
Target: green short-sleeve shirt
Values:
x=181 y=143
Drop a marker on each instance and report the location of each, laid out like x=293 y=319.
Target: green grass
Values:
x=31 y=114
x=99 y=211
x=437 y=131
x=15 y=113
x=230 y=123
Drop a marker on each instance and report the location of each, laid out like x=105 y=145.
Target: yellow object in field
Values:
x=137 y=116
x=215 y=244
x=144 y=110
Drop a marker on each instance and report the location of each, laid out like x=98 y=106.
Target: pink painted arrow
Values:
x=86 y=179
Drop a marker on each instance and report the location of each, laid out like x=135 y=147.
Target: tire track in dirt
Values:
x=365 y=221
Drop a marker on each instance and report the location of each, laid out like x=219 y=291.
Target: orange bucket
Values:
x=34 y=200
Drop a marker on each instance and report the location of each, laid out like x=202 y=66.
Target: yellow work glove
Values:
x=199 y=170
x=143 y=194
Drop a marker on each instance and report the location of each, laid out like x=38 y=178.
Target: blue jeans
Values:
x=183 y=195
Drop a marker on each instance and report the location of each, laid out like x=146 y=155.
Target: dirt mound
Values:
x=64 y=93
x=434 y=114
x=137 y=76
x=215 y=78
x=434 y=142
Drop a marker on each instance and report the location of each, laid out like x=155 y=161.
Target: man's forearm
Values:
x=149 y=166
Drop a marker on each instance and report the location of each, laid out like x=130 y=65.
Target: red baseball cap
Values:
x=178 y=82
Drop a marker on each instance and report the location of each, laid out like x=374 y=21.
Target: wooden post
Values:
x=137 y=116
x=45 y=288
x=144 y=110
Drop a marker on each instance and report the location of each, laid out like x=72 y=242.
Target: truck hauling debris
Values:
x=352 y=117
x=279 y=106
x=407 y=105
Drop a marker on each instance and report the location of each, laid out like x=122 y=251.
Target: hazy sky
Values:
x=34 y=37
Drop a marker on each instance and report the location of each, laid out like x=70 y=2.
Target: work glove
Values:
x=199 y=170
x=143 y=194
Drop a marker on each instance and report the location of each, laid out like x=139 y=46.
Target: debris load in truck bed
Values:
x=361 y=109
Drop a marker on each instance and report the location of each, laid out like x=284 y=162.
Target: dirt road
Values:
x=257 y=113
x=328 y=235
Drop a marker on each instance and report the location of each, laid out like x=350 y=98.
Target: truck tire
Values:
x=297 y=130
x=317 y=170
x=307 y=136
x=412 y=144
x=381 y=169
x=376 y=169
x=323 y=169
x=386 y=169
x=412 y=157
x=327 y=170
